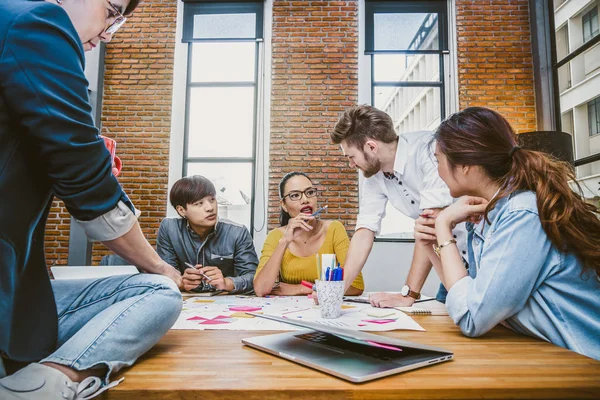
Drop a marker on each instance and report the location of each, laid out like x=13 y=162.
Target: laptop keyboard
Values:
x=362 y=349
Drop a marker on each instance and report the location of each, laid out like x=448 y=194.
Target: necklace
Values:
x=315 y=230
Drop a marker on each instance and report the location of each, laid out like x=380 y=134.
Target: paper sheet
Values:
x=228 y=313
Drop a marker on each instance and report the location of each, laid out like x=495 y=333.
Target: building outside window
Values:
x=577 y=68
x=221 y=100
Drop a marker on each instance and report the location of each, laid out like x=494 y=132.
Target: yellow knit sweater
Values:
x=295 y=269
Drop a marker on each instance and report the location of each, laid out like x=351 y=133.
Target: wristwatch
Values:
x=437 y=249
x=406 y=292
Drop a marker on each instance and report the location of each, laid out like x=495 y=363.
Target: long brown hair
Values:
x=480 y=136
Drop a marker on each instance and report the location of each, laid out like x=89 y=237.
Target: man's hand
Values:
x=217 y=279
x=192 y=278
x=176 y=276
x=388 y=300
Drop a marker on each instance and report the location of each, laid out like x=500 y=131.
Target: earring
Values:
x=59 y=2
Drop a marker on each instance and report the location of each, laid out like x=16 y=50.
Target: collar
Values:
x=401 y=155
x=195 y=234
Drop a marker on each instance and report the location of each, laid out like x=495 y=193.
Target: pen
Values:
x=208 y=278
x=319 y=211
x=309 y=285
x=424 y=300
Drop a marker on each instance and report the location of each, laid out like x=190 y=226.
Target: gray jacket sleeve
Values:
x=245 y=263
x=164 y=247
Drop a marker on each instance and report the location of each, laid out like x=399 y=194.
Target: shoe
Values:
x=39 y=382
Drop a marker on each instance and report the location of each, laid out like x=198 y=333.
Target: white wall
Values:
x=387 y=267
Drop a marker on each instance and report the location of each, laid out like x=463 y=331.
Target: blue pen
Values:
x=327 y=274
x=318 y=211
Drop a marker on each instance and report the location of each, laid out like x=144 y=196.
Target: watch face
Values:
x=404 y=291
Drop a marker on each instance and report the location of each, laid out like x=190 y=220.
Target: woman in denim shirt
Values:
x=534 y=244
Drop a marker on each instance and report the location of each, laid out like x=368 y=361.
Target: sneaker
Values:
x=39 y=382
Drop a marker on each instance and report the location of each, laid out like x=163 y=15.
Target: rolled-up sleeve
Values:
x=245 y=263
x=47 y=94
x=435 y=193
x=372 y=205
x=506 y=276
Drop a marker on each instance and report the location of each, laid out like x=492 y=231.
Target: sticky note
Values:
x=379 y=321
x=241 y=315
x=245 y=308
x=380 y=312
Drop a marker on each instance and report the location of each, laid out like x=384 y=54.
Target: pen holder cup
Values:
x=331 y=295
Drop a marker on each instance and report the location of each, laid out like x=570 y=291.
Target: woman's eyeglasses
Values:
x=118 y=22
x=296 y=195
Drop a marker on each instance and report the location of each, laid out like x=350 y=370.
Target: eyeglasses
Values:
x=296 y=195
x=118 y=22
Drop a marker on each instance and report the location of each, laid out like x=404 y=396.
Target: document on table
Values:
x=229 y=313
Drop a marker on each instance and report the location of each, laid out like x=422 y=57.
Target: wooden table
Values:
x=215 y=365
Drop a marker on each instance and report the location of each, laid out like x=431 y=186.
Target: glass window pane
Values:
x=221 y=122
x=233 y=182
x=225 y=26
x=411 y=108
x=406 y=31
x=223 y=62
x=406 y=68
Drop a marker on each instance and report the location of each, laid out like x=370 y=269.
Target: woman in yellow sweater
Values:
x=289 y=251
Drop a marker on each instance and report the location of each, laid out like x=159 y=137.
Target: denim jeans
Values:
x=110 y=322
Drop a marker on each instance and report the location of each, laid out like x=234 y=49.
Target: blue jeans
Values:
x=110 y=322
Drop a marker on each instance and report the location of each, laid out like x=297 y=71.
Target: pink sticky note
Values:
x=196 y=319
x=379 y=321
x=383 y=346
x=245 y=308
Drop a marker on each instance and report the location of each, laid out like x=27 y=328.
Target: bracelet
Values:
x=437 y=249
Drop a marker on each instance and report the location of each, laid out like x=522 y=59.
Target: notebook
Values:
x=351 y=355
x=432 y=307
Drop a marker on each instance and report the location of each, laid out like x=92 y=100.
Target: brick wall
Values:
x=494 y=59
x=137 y=114
x=314 y=78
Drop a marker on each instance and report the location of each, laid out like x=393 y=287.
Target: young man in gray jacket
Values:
x=221 y=251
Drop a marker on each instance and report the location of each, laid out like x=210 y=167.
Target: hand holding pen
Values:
x=193 y=277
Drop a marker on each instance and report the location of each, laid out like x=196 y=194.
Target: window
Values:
x=594 y=116
x=406 y=42
x=590 y=24
x=221 y=100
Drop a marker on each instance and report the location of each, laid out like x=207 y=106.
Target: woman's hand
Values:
x=425 y=226
x=287 y=289
x=296 y=225
x=467 y=208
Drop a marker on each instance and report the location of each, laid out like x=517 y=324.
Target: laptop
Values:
x=351 y=355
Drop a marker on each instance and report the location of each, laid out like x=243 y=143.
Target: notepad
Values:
x=428 y=308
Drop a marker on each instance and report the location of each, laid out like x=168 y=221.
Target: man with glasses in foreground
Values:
x=65 y=338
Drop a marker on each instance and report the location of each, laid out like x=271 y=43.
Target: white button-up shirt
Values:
x=414 y=186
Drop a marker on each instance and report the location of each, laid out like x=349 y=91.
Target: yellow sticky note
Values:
x=204 y=301
x=380 y=312
x=241 y=315
x=345 y=306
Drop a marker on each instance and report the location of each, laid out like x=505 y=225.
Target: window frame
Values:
x=192 y=8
